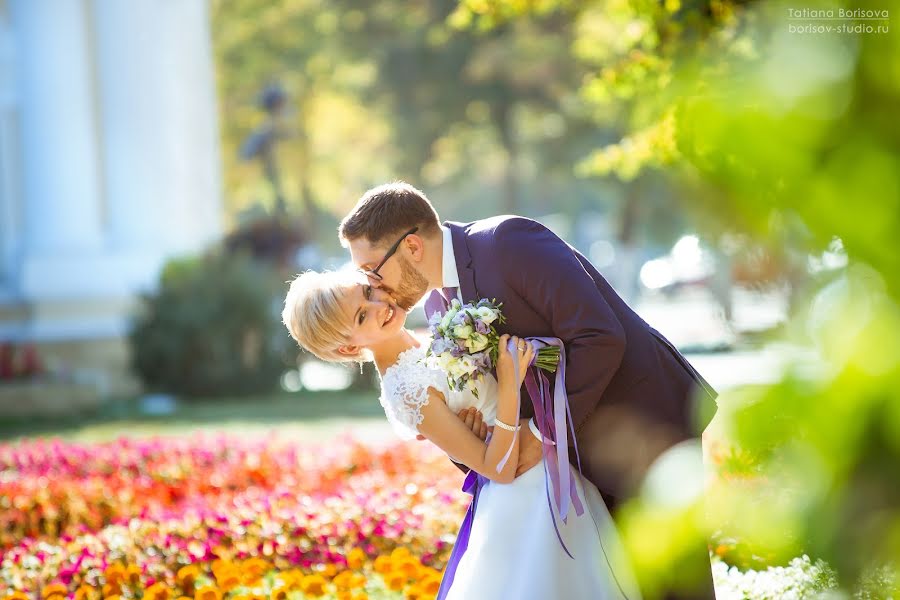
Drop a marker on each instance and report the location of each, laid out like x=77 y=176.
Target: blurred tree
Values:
x=791 y=140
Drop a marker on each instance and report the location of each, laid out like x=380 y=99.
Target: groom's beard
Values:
x=412 y=286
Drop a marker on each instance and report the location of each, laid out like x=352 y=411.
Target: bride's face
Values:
x=374 y=315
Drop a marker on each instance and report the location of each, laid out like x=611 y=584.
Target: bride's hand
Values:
x=506 y=374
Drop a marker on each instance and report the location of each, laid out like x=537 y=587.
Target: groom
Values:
x=632 y=394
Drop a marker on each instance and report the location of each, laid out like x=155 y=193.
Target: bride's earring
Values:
x=360 y=367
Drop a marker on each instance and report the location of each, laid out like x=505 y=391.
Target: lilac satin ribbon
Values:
x=473 y=483
x=550 y=415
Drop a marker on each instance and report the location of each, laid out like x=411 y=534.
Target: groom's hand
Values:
x=472 y=417
x=530 y=451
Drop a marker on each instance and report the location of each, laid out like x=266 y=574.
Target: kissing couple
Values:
x=545 y=462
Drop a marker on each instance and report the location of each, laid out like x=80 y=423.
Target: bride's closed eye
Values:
x=367 y=294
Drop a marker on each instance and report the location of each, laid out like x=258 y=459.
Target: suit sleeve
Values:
x=543 y=270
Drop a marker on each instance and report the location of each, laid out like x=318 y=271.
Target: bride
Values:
x=511 y=543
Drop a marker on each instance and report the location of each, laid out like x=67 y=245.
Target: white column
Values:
x=159 y=124
x=60 y=163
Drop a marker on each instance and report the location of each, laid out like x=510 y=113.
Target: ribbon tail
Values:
x=471 y=485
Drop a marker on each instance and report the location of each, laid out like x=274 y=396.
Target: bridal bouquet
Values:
x=465 y=343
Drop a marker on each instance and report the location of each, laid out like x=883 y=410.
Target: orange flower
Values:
x=431 y=584
x=133 y=574
x=396 y=581
x=356 y=558
x=110 y=590
x=114 y=573
x=344 y=595
x=113 y=597
x=85 y=592
x=329 y=571
x=383 y=564
x=313 y=585
x=17 y=596
x=409 y=566
x=158 y=591
x=54 y=588
x=55 y=597
x=208 y=593
x=228 y=581
x=361 y=596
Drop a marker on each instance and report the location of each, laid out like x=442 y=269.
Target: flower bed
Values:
x=132 y=517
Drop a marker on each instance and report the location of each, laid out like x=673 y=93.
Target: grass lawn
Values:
x=312 y=416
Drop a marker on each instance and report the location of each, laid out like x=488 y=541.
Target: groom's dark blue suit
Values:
x=632 y=394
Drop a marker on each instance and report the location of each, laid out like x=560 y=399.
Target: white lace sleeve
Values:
x=404 y=391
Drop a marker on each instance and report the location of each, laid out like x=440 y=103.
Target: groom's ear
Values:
x=416 y=246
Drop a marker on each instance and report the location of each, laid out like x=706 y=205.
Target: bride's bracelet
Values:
x=502 y=425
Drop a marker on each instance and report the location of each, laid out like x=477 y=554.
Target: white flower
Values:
x=477 y=342
x=448 y=316
x=487 y=315
x=463 y=332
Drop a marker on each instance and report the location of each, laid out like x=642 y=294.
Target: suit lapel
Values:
x=463 y=261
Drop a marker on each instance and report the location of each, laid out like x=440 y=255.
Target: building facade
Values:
x=109 y=164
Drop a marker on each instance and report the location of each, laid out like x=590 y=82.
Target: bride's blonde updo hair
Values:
x=312 y=314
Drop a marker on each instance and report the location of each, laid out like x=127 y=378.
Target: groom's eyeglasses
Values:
x=393 y=250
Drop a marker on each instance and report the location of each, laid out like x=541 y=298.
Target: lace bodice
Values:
x=404 y=391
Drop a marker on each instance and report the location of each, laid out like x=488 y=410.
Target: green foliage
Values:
x=212 y=328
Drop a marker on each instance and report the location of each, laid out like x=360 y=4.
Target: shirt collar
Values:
x=448 y=269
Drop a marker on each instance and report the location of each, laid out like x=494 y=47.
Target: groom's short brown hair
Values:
x=386 y=212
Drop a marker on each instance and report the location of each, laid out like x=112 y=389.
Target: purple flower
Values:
x=482 y=327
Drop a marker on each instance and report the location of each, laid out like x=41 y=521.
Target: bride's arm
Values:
x=440 y=425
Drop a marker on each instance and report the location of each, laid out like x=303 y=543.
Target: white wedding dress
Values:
x=513 y=550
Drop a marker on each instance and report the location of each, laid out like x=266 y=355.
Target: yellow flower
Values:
x=396 y=581
x=54 y=588
x=356 y=558
x=313 y=585
x=17 y=596
x=343 y=580
x=383 y=564
x=111 y=589
x=187 y=574
x=414 y=593
x=113 y=597
x=361 y=596
x=208 y=593
x=358 y=581
x=344 y=595
x=400 y=553
x=55 y=597
x=279 y=592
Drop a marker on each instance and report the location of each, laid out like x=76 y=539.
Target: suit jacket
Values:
x=631 y=393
